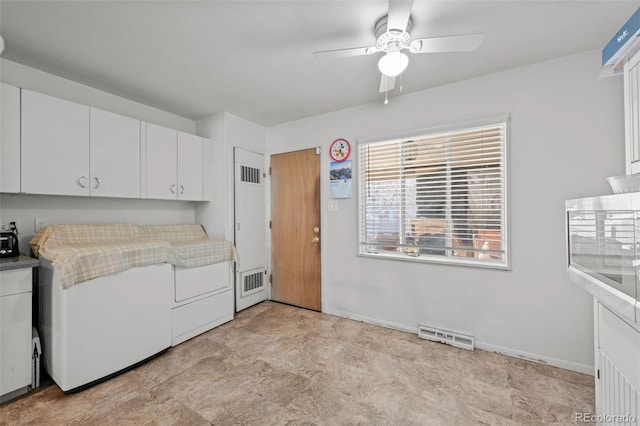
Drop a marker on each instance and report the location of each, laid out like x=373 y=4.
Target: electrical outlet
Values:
x=38 y=224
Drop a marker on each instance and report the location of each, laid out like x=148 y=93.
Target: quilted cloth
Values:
x=190 y=246
x=83 y=252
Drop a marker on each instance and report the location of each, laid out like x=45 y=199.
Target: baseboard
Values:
x=374 y=321
x=515 y=353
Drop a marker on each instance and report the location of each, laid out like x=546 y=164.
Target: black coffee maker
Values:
x=9 y=244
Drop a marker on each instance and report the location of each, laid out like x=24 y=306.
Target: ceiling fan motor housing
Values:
x=391 y=39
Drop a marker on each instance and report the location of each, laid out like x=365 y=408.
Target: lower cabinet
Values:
x=203 y=299
x=617 y=357
x=15 y=332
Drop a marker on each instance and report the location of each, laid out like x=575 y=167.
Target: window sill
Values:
x=439 y=260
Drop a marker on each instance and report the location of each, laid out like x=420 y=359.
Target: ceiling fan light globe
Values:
x=393 y=63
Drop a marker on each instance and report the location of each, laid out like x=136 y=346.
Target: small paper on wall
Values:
x=340 y=179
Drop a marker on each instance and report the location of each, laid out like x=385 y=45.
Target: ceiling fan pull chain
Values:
x=386 y=91
x=401 y=82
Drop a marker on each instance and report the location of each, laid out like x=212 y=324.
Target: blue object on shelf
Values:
x=624 y=38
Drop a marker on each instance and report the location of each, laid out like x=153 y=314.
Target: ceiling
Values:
x=255 y=58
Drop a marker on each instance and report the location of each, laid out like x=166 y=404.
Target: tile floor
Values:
x=279 y=365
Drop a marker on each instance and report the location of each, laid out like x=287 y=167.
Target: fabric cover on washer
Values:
x=83 y=252
x=190 y=246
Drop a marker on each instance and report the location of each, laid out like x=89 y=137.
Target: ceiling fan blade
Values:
x=387 y=83
x=457 y=43
x=399 y=13
x=342 y=53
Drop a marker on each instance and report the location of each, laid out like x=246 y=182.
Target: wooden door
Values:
x=55 y=145
x=115 y=155
x=162 y=162
x=295 y=233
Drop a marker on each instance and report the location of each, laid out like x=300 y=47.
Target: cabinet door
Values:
x=632 y=113
x=115 y=155
x=15 y=330
x=162 y=163
x=10 y=139
x=189 y=167
x=55 y=145
x=618 y=364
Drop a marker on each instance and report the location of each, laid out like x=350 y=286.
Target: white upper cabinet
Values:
x=173 y=164
x=55 y=145
x=9 y=138
x=162 y=151
x=115 y=155
x=189 y=167
x=632 y=113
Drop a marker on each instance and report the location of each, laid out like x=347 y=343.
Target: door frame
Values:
x=324 y=171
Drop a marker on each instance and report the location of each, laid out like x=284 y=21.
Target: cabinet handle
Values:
x=98 y=182
x=81 y=182
x=171 y=188
x=182 y=189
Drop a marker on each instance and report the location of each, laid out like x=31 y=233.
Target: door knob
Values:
x=316 y=229
x=315 y=240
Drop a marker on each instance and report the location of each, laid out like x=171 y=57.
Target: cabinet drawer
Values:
x=15 y=281
x=201 y=312
x=193 y=282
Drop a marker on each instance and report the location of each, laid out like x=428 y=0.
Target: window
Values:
x=439 y=197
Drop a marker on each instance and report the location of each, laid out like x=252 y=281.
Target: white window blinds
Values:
x=439 y=197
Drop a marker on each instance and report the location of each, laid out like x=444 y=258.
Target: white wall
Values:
x=62 y=210
x=213 y=214
x=566 y=138
x=227 y=132
x=30 y=78
x=57 y=209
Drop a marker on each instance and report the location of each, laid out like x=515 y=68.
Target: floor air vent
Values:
x=453 y=338
x=252 y=281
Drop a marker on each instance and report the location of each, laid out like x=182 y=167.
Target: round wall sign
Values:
x=339 y=150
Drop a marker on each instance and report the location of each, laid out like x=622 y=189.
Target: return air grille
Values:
x=249 y=174
x=453 y=338
x=252 y=282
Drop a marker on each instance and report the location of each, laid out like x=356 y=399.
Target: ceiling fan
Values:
x=393 y=36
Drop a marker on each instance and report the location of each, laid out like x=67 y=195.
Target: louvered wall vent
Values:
x=252 y=281
x=453 y=338
x=249 y=174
